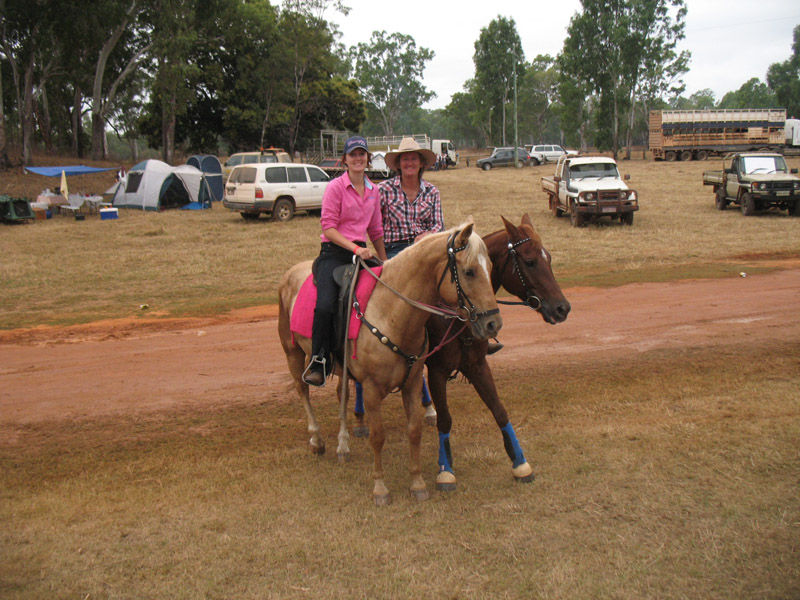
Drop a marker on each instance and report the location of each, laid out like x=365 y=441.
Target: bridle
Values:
x=531 y=299
x=444 y=311
x=464 y=303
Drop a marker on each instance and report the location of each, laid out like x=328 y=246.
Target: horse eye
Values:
x=530 y=263
x=469 y=272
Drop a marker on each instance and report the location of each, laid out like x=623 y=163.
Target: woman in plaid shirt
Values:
x=410 y=206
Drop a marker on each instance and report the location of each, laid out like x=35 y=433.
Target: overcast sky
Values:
x=731 y=41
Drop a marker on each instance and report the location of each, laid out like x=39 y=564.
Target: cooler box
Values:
x=109 y=213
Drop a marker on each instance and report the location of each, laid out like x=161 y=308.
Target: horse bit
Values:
x=530 y=294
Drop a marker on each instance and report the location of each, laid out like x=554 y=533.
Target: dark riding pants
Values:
x=330 y=257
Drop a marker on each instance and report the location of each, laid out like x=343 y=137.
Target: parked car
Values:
x=331 y=163
x=543 y=153
x=267 y=155
x=276 y=189
x=503 y=157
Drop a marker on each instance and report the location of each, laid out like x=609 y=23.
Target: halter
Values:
x=464 y=302
x=530 y=294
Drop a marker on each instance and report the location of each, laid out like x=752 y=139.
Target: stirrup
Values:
x=318 y=360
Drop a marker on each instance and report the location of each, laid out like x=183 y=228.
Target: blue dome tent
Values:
x=209 y=165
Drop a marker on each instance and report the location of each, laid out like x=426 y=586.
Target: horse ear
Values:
x=526 y=220
x=512 y=229
x=463 y=236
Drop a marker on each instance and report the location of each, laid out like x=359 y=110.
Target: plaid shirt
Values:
x=405 y=220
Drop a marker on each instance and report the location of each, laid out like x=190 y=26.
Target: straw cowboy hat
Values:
x=408 y=144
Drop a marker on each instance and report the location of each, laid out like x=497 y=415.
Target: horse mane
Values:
x=475 y=245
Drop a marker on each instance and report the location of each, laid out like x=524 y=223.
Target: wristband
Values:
x=355 y=250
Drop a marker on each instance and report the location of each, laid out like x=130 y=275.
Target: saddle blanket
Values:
x=303 y=311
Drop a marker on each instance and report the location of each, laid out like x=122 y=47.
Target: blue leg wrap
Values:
x=359 y=407
x=445 y=458
x=426 y=395
x=511 y=443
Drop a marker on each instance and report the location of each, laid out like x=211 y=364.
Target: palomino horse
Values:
x=521 y=265
x=453 y=267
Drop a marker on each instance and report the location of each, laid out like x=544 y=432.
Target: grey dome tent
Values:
x=154 y=185
x=210 y=166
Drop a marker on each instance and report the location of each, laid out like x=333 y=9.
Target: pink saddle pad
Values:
x=303 y=311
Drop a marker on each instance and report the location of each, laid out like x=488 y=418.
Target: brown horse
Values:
x=452 y=267
x=521 y=265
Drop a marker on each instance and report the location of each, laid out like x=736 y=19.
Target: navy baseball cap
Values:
x=355 y=142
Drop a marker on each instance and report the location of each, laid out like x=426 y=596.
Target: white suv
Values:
x=275 y=188
x=547 y=153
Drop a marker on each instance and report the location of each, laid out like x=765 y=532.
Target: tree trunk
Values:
x=134 y=146
x=26 y=118
x=168 y=113
x=77 y=122
x=45 y=125
x=5 y=162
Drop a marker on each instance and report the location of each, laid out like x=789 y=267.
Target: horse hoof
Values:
x=523 y=473
x=446 y=481
x=384 y=500
x=421 y=495
x=430 y=415
x=361 y=431
x=343 y=457
x=318 y=450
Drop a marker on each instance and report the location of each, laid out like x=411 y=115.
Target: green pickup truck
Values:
x=755 y=181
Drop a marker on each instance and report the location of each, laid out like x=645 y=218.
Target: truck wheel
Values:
x=577 y=219
x=748 y=205
x=554 y=207
x=535 y=161
x=250 y=216
x=487 y=166
x=670 y=156
x=283 y=210
x=795 y=209
x=722 y=203
x=686 y=155
x=702 y=154
x=626 y=218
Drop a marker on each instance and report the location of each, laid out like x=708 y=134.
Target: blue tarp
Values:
x=74 y=170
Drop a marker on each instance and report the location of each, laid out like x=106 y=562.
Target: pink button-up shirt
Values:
x=352 y=216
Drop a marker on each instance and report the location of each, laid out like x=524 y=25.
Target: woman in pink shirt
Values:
x=351 y=212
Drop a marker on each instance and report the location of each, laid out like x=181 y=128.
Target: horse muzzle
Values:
x=487 y=326
x=555 y=312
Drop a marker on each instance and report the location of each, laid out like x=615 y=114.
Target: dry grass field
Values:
x=663 y=472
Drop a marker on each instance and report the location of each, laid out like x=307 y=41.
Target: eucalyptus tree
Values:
x=389 y=72
x=753 y=93
x=498 y=56
x=30 y=45
x=538 y=92
x=119 y=26
x=625 y=50
x=784 y=78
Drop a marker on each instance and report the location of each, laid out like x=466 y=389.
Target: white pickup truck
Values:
x=590 y=187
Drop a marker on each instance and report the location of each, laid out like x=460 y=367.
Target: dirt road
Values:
x=124 y=367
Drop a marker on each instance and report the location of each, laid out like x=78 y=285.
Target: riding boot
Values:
x=494 y=347
x=316 y=370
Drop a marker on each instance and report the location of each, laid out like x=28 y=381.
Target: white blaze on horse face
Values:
x=482 y=260
x=544 y=254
